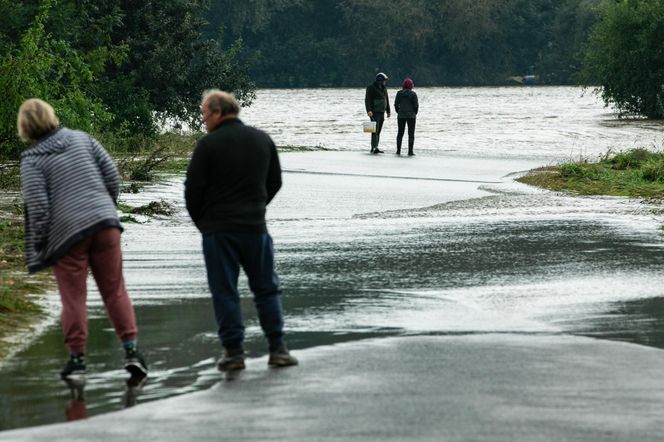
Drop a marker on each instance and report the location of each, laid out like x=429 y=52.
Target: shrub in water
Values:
x=630 y=159
x=570 y=170
x=653 y=170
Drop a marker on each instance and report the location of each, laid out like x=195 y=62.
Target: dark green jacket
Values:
x=376 y=99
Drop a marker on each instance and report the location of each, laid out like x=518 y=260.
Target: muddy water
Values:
x=379 y=246
x=551 y=123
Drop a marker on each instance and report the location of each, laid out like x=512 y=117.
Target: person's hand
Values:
x=370 y=114
x=388 y=115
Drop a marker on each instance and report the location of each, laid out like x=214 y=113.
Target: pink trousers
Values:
x=101 y=253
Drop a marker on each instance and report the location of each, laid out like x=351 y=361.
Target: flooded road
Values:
x=366 y=246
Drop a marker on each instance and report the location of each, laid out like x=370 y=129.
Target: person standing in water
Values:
x=70 y=189
x=406 y=106
x=377 y=103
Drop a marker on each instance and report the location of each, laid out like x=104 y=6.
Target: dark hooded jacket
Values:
x=406 y=104
x=376 y=98
x=70 y=188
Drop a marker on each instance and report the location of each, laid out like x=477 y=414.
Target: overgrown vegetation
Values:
x=118 y=70
x=634 y=173
x=16 y=310
x=140 y=158
x=626 y=56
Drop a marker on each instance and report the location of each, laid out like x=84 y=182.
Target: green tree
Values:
x=625 y=58
x=170 y=62
x=49 y=68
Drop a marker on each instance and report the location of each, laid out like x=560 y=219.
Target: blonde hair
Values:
x=35 y=119
x=218 y=100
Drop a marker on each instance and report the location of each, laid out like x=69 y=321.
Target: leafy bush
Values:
x=630 y=159
x=48 y=68
x=653 y=170
x=572 y=170
x=625 y=58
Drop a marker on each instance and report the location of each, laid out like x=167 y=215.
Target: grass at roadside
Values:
x=17 y=311
x=632 y=173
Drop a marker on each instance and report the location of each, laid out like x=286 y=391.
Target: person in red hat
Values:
x=406 y=106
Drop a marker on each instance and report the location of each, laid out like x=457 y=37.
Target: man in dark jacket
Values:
x=233 y=174
x=377 y=103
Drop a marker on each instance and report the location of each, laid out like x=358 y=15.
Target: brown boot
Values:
x=281 y=357
x=232 y=360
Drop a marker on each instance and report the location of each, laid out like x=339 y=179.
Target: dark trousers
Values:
x=401 y=124
x=224 y=253
x=379 y=118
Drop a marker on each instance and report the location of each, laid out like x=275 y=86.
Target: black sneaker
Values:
x=232 y=360
x=135 y=364
x=281 y=357
x=75 y=368
x=378 y=151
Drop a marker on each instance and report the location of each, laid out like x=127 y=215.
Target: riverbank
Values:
x=631 y=173
x=19 y=309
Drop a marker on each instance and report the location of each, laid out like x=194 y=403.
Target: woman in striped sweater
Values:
x=70 y=187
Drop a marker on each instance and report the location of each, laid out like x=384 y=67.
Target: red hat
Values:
x=407 y=84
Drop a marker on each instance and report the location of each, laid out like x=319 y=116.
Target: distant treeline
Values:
x=304 y=43
x=122 y=68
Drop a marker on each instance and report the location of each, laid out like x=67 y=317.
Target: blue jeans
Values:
x=224 y=253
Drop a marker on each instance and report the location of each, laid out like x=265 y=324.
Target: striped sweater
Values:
x=70 y=187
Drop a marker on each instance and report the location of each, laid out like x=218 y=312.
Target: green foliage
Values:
x=169 y=64
x=49 y=68
x=635 y=172
x=653 y=170
x=576 y=170
x=625 y=58
x=113 y=66
x=630 y=159
x=13 y=283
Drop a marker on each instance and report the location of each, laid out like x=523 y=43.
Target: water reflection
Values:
x=77 y=408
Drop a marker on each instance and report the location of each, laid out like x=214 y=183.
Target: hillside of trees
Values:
x=298 y=43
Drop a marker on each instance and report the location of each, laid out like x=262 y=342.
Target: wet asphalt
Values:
x=438 y=380
x=486 y=387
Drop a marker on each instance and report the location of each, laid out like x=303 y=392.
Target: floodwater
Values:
x=371 y=246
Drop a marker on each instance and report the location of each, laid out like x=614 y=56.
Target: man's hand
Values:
x=370 y=114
